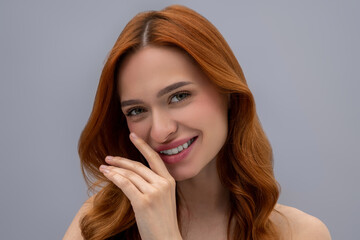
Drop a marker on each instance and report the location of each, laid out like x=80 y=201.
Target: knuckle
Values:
x=137 y=165
x=110 y=174
x=121 y=181
x=126 y=174
x=172 y=182
x=165 y=184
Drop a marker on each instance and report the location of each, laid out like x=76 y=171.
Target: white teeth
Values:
x=168 y=152
x=178 y=149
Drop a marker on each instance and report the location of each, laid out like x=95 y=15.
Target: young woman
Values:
x=173 y=145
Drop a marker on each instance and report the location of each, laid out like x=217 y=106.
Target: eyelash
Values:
x=128 y=113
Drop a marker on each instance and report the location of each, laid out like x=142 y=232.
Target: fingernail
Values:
x=103 y=168
x=133 y=135
x=109 y=158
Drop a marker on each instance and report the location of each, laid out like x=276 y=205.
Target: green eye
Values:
x=179 y=97
x=134 y=111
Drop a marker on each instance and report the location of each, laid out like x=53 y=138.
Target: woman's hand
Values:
x=150 y=191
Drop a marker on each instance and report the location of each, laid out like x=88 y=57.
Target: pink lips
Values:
x=172 y=144
x=171 y=159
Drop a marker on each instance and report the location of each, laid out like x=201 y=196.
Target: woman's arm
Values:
x=74 y=231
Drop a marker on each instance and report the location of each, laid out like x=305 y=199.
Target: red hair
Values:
x=244 y=163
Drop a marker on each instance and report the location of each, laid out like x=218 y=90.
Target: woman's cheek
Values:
x=139 y=128
x=186 y=115
x=211 y=111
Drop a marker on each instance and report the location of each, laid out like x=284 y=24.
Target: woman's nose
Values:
x=163 y=126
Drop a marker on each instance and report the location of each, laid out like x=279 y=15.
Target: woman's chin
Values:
x=183 y=175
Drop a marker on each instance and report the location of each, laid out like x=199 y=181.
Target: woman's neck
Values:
x=203 y=205
x=204 y=194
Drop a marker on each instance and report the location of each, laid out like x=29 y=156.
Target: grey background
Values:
x=301 y=60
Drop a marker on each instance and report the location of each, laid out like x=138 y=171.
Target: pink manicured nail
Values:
x=133 y=135
x=109 y=158
x=103 y=168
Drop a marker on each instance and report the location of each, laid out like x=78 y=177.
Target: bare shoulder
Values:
x=74 y=232
x=297 y=225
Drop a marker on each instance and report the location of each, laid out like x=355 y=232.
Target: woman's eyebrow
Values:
x=171 y=88
x=131 y=102
x=161 y=93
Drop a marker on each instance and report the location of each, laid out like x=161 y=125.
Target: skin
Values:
x=157 y=121
x=195 y=109
x=200 y=112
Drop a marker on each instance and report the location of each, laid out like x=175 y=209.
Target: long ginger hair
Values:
x=244 y=164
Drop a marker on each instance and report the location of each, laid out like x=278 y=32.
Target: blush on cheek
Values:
x=140 y=128
x=211 y=104
x=130 y=126
x=205 y=117
x=211 y=113
x=133 y=127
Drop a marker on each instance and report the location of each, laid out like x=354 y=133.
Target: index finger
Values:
x=152 y=157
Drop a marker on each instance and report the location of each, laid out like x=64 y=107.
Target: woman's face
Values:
x=170 y=103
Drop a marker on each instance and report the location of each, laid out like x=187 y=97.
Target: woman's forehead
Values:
x=152 y=68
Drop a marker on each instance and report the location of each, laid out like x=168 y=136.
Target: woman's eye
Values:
x=179 y=97
x=135 y=111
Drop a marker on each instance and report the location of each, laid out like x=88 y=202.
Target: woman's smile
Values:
x=177 y=149
x=177 y=154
